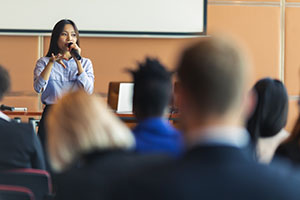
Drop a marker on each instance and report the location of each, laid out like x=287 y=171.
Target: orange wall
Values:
x=267 y=30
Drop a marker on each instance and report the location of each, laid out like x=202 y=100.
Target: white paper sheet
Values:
x=125 y=98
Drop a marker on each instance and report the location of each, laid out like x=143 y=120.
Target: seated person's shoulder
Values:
x=148 y=157
x=132 y=161
x=280 y=176
x=17 y=128
x=25 y=127
x=110 y=167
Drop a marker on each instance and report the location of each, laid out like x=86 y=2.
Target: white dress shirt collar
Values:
x=4 y=116
x=222 y=135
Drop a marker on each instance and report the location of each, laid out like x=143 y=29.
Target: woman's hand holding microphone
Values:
x=74 y=50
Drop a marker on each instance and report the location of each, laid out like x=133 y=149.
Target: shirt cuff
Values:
x=41 y=83
x=82 y=77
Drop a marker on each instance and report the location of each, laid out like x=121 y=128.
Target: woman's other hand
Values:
x=58 y=58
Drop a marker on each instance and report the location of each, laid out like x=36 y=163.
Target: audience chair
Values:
x=38 y=181
x=10 y=192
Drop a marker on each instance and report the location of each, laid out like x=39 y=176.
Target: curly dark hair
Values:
x=152 y=88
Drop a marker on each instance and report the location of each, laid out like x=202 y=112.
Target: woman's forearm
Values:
x=47 y=70
x=79 y=66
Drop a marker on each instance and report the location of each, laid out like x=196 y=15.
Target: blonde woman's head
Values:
x=80 y=123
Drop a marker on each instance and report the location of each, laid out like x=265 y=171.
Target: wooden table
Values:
x=125 y=117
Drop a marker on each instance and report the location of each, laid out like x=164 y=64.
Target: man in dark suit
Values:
x=217 y=164
x=19 y=145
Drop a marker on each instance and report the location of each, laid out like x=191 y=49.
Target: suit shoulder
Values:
x=18 y=127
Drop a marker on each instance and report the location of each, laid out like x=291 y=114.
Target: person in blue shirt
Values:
x=60 y=72
x=151 y=97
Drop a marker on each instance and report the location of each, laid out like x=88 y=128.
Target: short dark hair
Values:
x=211 y=71
x=152 y=89
x=271 y=111
x=4 y=82
x=57 y=30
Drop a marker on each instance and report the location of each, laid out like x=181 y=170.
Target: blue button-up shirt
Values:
x=62 y=80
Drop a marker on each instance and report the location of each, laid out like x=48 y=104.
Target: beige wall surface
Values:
x=267 y=29
x=292 y=53
x=257 y=28
x=18 y=55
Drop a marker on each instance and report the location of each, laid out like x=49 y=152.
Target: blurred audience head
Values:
x=152 y=89
x=270 y=114
x=213 y=78
x=80 y=123
x=4 y=82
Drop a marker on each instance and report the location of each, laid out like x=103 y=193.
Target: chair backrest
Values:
x=10 y=192
x=38 y=181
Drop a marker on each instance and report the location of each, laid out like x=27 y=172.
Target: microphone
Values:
x=10 y=108
x=74 y=52
x=4 y=107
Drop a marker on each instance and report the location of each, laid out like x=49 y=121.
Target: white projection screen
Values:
x=162 y=17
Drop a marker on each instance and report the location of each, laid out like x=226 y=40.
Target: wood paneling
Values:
x=292 y=54
x=257 y=28
x=18 y=55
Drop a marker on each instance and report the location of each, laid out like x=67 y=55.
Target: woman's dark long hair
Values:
x=270 y=115
x=57 y=30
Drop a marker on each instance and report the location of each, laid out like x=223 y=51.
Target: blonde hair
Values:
x=80 y=123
